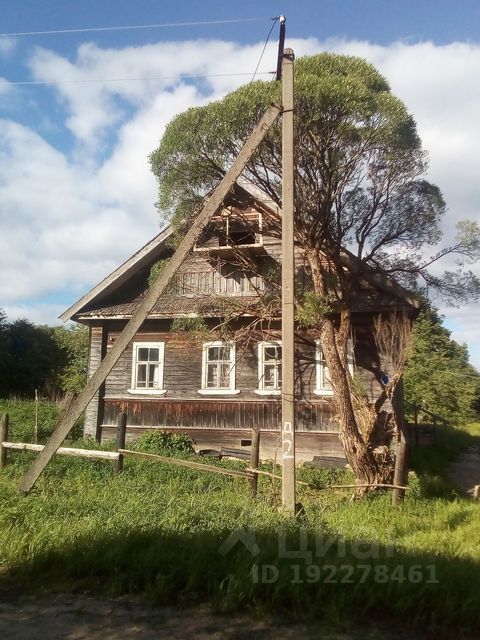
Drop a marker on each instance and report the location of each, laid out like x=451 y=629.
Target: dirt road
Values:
x=74 y=617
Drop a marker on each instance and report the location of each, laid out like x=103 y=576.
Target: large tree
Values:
x=359 y=186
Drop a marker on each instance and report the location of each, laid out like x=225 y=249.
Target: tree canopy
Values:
x=359 y=170
x=52 y=360
x=438 y=376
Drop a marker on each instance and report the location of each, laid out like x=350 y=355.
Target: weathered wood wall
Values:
x=217 y=414
x=183 y=406
x=183 y=365
x=308 y=444
x=94 y=410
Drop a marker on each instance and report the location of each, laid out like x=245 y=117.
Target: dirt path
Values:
x=82 y=618
x=465 y=471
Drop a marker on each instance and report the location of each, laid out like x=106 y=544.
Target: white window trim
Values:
x=320 y=367
x=206 y=391
x=160 y=391
x=261 y=391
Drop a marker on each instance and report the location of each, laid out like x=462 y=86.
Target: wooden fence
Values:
x=118 y=456
x=250 y=474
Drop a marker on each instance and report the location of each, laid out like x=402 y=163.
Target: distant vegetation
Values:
x=438 y=375
x=50 y=359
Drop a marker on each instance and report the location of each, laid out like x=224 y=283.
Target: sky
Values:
x=77 y=196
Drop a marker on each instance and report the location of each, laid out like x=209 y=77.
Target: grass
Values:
x=157 y=531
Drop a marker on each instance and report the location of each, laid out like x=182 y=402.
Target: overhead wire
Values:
x=105 y=80
x=132 y=27
x=142 y=79
x=275 y=20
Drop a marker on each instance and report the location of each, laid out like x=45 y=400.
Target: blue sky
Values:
x=76 y=193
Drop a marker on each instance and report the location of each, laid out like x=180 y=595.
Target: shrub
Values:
x=163 y=443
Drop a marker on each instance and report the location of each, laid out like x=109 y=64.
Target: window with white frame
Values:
x=269 y=368
x=147 y=367
x=323 y=386
x=218 y=368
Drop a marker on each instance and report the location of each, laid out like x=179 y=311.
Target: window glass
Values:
x=270 y=366
x=218 y=366
x=147 y=366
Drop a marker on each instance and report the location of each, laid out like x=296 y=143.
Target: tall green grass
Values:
x=158 y=531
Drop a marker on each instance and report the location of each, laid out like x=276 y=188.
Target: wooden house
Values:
x=184 y=373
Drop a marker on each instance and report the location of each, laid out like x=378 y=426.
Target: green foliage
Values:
x=312 y=308
x=189 y=324
x=30 y=358
x=156 y=270
x=359 y=170
x=22 y=420
x=163 y=443
x=195 y=328
x=50 y=359
x=74 y=343
x=431 y=463
x=438 y=376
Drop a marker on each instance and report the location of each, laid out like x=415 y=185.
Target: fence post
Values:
x=254 y=460
x=121 y=437
x=401 y=471
x=3 y=438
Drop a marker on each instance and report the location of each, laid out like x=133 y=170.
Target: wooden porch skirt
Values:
x=217 y=414
x=217 y=424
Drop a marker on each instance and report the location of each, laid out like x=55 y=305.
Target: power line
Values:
x=102 y=80
x=264 y=47
x=130 y=27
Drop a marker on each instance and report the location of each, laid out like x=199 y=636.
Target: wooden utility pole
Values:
x=288 y=280
x=65 y=424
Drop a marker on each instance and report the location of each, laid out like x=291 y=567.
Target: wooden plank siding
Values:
x=216 y=414
x=94 y=410
x=183 y=366
x=308 y=444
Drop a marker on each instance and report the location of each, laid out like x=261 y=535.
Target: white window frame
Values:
x=205 y=390
x=262 y=391
x=321 y=369
x=158 y=390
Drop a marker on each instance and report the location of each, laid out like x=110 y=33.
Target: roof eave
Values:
x=120 y=275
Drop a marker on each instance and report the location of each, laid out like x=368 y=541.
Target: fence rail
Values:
x=118 y=456
x=64 y=451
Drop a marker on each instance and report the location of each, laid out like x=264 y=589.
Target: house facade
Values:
x=208 y=359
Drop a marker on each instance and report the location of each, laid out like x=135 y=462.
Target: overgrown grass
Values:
x=158 y=531
x=431 y=463
x=22 y=419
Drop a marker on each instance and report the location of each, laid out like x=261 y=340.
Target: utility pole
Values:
x=288 y=283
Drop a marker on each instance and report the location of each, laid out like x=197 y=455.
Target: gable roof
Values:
x=153 y=249
x=114 y=280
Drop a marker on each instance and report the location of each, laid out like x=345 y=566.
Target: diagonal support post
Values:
x=65 y=424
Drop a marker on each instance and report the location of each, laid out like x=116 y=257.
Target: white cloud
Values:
x=7 y=46
x=69 y=219
x=37 y=314
x=4 y=86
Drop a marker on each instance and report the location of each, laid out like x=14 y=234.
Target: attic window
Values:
x=236 y=233
x=232 y=228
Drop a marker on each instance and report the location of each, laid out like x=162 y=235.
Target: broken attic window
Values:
x=232 y=228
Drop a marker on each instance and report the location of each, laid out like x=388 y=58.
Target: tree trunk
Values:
x=358 y=418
